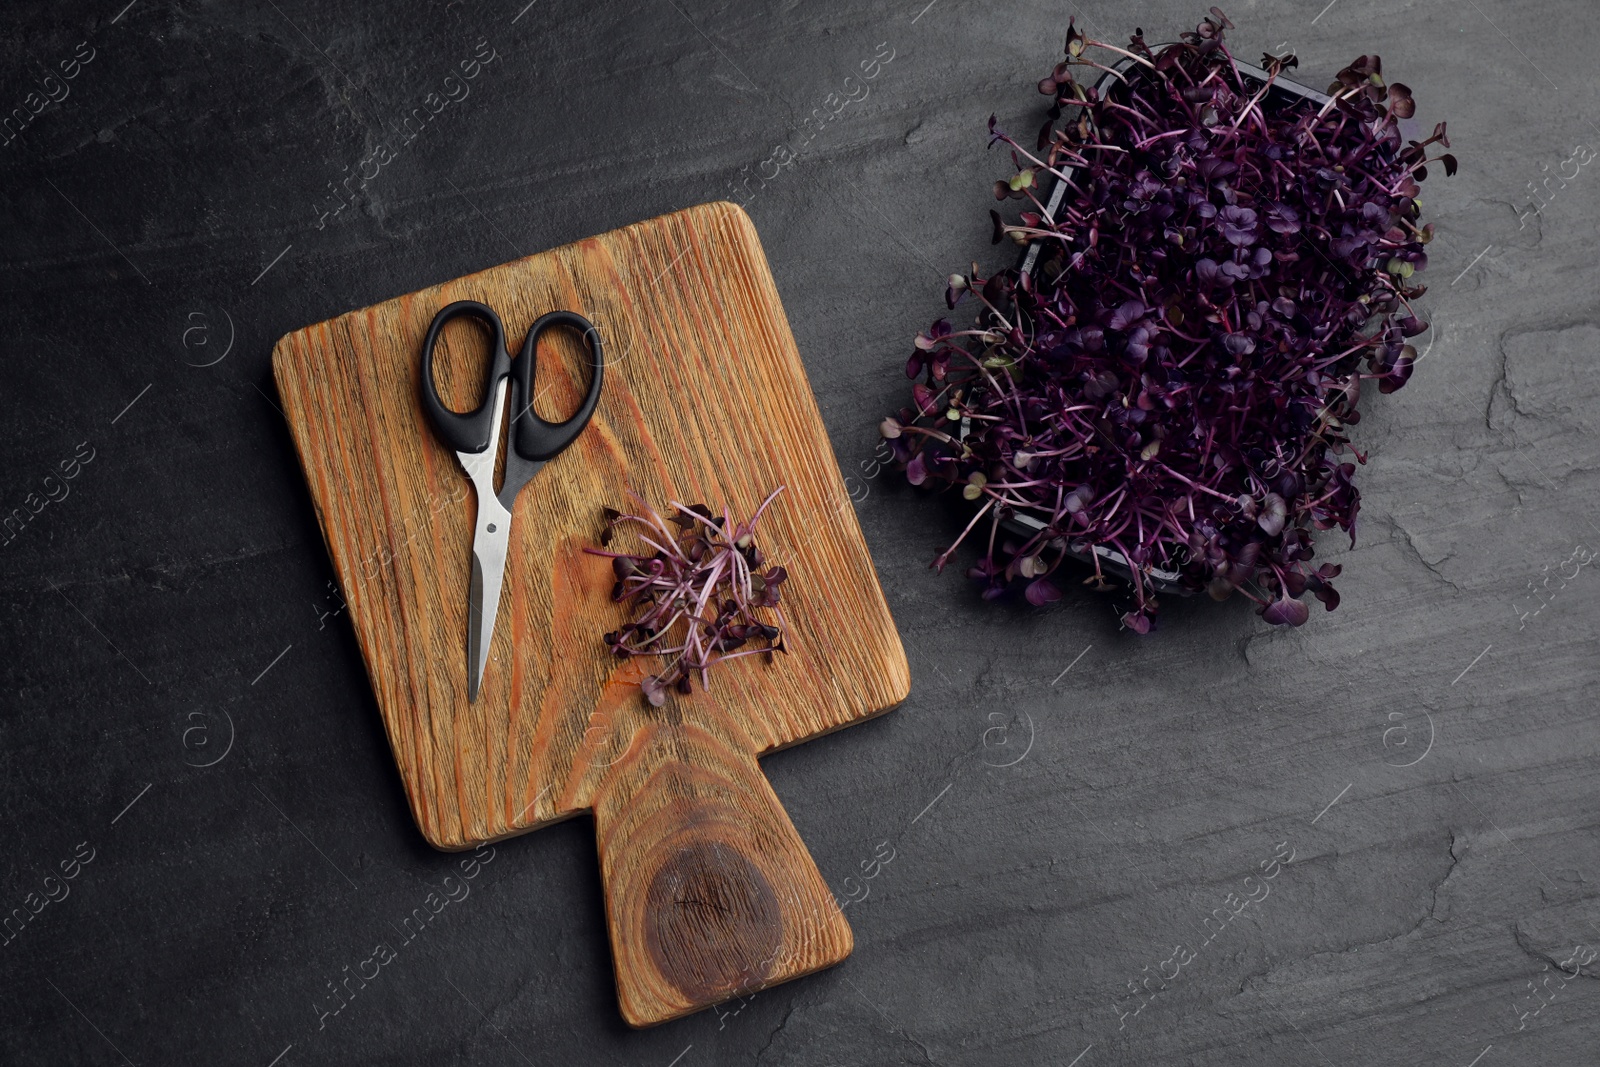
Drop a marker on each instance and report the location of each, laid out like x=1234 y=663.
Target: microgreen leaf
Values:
x=1286 y=612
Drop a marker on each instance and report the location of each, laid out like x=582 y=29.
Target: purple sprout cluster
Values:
x=694 y=591
x=1175 y=378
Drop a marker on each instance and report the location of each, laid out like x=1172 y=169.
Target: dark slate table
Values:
x=189 y=732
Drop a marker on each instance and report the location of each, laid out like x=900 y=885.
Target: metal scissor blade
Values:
x=491 y=534
x=483 y=599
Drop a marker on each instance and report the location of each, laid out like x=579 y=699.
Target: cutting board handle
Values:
x=710 y=893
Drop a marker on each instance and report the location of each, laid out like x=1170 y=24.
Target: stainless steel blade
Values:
x=490 y=538
x=483 y=606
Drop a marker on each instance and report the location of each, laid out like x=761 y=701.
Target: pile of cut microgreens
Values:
x=694 y=591
x=1174 y=379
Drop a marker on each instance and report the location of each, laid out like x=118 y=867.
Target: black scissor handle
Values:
x=534 y=438
x=464 y=431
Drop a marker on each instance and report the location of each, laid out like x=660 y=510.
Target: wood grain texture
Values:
x=710 y=892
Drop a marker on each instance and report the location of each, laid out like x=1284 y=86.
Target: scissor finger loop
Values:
x=537 y=439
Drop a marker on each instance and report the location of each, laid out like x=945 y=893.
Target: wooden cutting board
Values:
x=710 y=893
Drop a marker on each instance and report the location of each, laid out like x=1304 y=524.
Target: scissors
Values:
x=475 y=436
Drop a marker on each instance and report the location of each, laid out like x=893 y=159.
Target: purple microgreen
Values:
x=694 y=593
x=1286 y=612
x=1174 y=380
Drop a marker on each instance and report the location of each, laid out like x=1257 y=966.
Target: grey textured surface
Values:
x=1427 y=752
